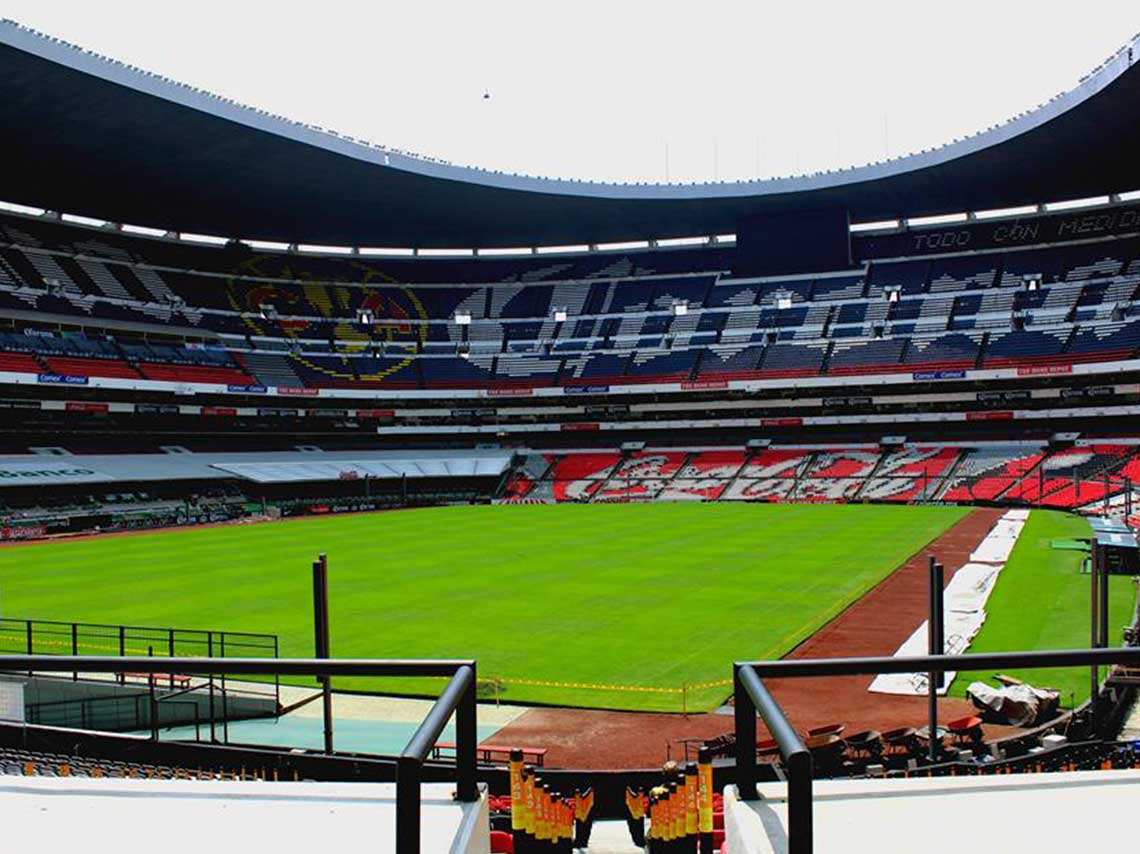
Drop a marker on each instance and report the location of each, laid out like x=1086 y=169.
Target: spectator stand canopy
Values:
x=266 y=467
x=91 y=136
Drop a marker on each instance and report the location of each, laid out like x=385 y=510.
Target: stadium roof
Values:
x=87 y=135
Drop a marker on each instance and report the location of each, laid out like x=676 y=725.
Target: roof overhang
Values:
x=87 y=135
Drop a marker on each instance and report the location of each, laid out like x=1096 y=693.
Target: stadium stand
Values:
x=950 y=313
x=25 y=763
x=1072 y=478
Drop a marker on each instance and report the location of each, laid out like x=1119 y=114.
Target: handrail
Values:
x=874 y=665
x=162 y=629
x=202 y=666
x=751 y=696
x=458 y=698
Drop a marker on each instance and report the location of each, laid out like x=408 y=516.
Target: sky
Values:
x=623 y=90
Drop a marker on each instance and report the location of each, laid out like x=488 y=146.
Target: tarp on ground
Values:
x=964 y=602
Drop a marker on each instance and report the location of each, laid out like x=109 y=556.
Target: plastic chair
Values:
x=967 y=730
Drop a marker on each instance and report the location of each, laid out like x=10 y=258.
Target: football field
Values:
x=613 y=606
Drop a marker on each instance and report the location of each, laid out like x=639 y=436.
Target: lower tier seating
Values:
x=1070 y=478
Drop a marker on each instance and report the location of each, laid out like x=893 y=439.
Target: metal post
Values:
x=797 y=758
x=1102 y=561
x=28 y=633
x=225 y=701
x=170 y=648
x=321 y=641
x=745 y=714
x=153 y=701
x=210 y=654
x=800 y=830
x=407 y=805
x=935 y=647
x=1094 y=603
x=466 y=736
x=75 y=648
x=276 y=676
x=940 y=622
x=122 y=651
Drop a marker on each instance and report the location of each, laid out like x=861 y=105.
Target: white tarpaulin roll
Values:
x=964 y=603
x=999 y=542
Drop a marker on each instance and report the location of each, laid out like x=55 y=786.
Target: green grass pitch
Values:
x=1041 y=601
x=656 y=596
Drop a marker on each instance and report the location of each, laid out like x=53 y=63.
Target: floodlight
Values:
x=559 y=315
x=783 y=302
x=680 y=309
x=462 y=318
x=1032 y=281
x=364 y=316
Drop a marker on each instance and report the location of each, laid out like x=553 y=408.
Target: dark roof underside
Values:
x=75 y=142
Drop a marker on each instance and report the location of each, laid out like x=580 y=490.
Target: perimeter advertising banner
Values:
x=61 y=379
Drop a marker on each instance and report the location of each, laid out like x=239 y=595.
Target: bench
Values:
x=487 y=753
x=174 y=679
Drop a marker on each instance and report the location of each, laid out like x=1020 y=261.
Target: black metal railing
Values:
x=53 y=637
x=751 y=697
x=458 y=698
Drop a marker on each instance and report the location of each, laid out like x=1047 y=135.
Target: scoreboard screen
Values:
x=800 y=242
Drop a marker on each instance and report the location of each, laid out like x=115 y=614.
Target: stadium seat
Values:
x=502 y=843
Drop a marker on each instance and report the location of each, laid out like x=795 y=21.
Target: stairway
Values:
x=980 y=359
x=270 y=369
x=611 y=837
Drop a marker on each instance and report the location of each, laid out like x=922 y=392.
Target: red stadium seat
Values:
x=502 y=842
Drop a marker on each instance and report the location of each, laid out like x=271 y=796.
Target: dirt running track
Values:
x=875 y=625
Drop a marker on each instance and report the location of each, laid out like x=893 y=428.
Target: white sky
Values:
x=621 y=90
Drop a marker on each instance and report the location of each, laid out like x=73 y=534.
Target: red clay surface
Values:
x=875 y=625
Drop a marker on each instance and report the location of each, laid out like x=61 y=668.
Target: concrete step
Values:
x=611 y=837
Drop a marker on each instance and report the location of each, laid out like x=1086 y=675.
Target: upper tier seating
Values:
x=950 y=351
x=867 y=357
x=344 y=321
